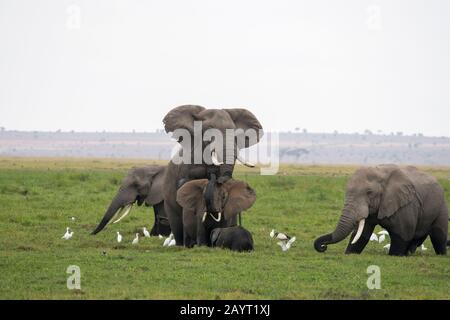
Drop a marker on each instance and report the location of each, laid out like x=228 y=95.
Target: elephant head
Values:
x=229 y=199
x=376 y=192
x=207 y=125
x=142 y=185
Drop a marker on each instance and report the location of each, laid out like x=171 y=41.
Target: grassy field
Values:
x=38 y=197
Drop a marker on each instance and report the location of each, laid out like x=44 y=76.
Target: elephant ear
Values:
x=399 y=192
x=155 y=194
x=190 y=195
x=244 y=119
x=181 y=117
x=240 y=197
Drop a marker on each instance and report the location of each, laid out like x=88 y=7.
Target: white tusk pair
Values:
x=127 y=211
x=359 y=232
x=216 y=220
x=248 y=164
x=214 y=159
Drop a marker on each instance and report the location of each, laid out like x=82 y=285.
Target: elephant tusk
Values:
x=359 y=232
x=214 y=159
x=245 y=163
x=219 y=217
x=115 y=214
x=204 y=216
x=127 y=211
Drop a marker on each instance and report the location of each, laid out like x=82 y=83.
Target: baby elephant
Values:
x=234 y=238
x=408 y=203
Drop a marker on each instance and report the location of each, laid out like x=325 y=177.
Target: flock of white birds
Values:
x=168 y=242
x=285 y=241
x=380 y=237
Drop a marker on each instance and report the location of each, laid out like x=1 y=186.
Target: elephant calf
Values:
x=234 y=238
x=408 y=203
x=141 y=185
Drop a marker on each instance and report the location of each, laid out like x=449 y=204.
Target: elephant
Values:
x=216 y=164
x=142 y=185
x=234 y=238
x=406 y=202
x=230 y=199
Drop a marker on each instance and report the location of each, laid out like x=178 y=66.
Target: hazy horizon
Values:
x=119 y=66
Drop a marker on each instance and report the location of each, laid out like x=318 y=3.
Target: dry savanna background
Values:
x=39 y=197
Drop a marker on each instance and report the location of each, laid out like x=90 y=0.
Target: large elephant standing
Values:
x=409 y=204
x=218 y=171
x=142 y=185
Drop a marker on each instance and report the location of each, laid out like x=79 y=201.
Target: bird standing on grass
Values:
x=136 y=239
x=285 y=241
x=168 y=240
x=68 y=234
x=383 y=234
x=374 y=237
x=146 y=233
x=119 y=237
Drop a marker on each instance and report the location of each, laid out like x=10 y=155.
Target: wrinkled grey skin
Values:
x=230 y=198
x=234 y=238
x=183 y=117
x=142 y=185
x=409 y=204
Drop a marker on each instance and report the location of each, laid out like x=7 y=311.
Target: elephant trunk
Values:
x=119 y=203
x=344 y=227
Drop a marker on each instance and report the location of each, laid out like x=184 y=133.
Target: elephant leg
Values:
x=189 y=228
x=359 y=246
x=439 y=237
x=161 y=225
x=416 y=243
x=399 y=247
x=154 y=231
x=174 y=215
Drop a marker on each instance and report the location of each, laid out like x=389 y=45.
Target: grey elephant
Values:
x=142 y=185
x=234 y=238
x=229 y=199
x=408 y=203
x=217 y=166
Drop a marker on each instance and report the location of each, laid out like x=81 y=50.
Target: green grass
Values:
x=39 y=196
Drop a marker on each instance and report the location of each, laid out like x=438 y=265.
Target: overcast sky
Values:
x=321 y=65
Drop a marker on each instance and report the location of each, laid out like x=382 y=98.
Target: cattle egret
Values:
x=387 y=247
x=172 y=243
x=374 y=237
x=423 y=248
x=168 y=239
x=146 y=233
x=381 y=238
x=136 y=239
x=67 y=235
x=119 y=237
x=160 y=236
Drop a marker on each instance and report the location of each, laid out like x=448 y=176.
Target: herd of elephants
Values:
x=201 y=203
